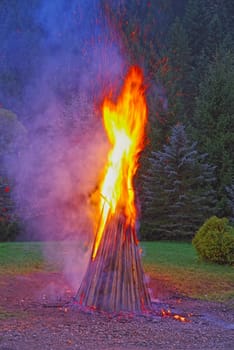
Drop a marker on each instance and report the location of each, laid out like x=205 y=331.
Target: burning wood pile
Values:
x=115 y=280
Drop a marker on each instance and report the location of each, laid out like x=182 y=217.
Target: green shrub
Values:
x=214 y=241
x=9 y=230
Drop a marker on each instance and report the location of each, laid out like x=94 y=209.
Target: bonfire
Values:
x=114 y=280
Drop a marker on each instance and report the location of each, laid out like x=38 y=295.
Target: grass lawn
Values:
x=20 y=257
x=178 y=265
x=174 y=263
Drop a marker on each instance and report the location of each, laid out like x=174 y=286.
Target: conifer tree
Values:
x=168 y=100
x=230 y=202
x=179 y=59
x=177 y=195
x=213 y=122
x=209 y=28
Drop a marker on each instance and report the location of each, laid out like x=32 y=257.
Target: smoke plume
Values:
x=56 y=168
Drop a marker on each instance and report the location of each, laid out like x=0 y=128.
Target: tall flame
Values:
x=124 y=122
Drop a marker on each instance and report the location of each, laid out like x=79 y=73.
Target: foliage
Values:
x=214 y=241
x=179 y=58
x=12 y=138
x=12 y=132
x=20 y=44
x=209 y=29
x=166 y=96
x=8 y=230
x=133 y=21
x=213 y=123
x=9 y=225
x=230 y=201
x=176 y=193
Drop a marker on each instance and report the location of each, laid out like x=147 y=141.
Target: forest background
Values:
x=186 y=51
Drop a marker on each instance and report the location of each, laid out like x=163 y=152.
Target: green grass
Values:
x=175 y=263
x=21 y=257
x=178 y=264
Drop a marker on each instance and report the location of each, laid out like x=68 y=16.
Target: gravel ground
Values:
x=36 y=313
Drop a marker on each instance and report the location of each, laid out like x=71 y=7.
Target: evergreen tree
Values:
x=213 y=122
x=179 y=58
x=20 y=38
x=168 y=95
x=176 y=194
x=230 y=201
x=195 y=24
x=229 y=18
x=141 y=26
x=218 y=33
x=209 y=29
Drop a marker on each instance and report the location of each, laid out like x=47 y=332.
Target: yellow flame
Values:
x=124 y=122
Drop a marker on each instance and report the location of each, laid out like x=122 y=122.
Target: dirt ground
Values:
x=36 y=313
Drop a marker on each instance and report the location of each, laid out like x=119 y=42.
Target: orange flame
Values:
x=124 y=122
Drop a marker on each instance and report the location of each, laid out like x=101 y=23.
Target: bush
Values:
x=8 y=231
x=214 y=241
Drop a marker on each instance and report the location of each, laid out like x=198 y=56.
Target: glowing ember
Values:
x=124 y=123
x=168 y=313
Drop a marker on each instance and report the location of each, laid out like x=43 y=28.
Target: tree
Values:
x=141 y=26
x=9 y=224
x=230 y=201
x=176 y=81
x=209 y=28
x=195 y=24
x=177 y=196
x=20 y=37
x=213 y=123
x=12 y=136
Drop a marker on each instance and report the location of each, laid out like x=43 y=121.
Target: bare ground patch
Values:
x=35 y=314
